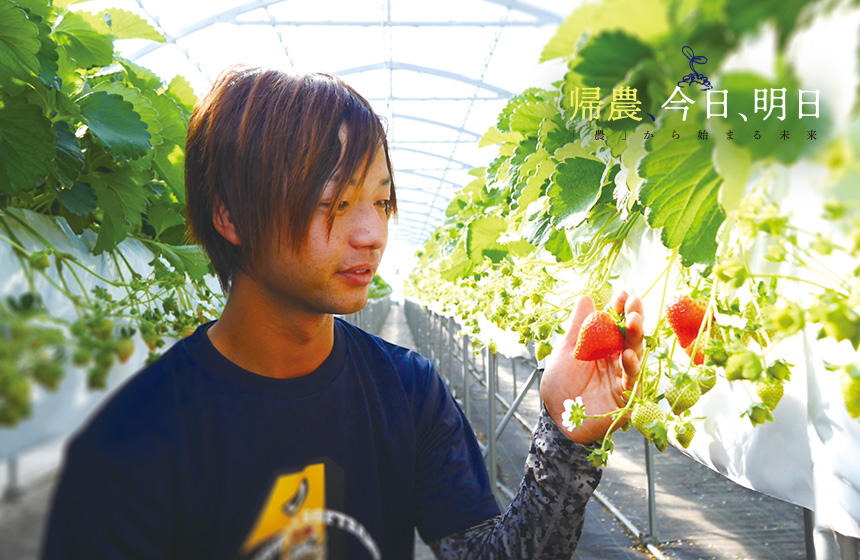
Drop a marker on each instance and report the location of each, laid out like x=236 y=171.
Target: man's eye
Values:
x=343 y=205
x=385 y=205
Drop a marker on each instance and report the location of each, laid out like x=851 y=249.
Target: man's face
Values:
x=332 y=271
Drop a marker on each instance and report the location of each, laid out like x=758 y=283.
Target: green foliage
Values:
x=26 y=144
x=680 y=194
x=575 y=188
x=570 y=193
x=96 y=143
x=379 y=288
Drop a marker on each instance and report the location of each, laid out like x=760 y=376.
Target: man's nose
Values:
x=369 y=229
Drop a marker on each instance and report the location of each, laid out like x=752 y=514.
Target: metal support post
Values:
x=514 y=375
x=828 y=544
x=466 y=401
x=652 y=498
x=491 y=421
x=13 y=490
x=451 y=353
x=433 y=338
x=512 y=409
x=809 y=533
x=425 y=337
x=440 y=343
x=484 y=351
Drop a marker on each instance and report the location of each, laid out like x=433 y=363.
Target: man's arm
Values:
x=546 y=517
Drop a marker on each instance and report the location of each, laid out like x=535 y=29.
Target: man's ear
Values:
x=223 y=223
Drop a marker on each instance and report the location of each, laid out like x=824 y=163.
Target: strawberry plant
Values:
x=690 y=210
x=91 y=171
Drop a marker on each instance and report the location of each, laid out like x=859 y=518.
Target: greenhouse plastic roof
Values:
x=439 y=72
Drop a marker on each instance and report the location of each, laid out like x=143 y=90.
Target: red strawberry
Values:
x=685 y=316
x=599 y=337
x=700 y=356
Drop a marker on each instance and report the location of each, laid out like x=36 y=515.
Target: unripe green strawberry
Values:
x=743 y=365
x=103 y=329
x=707 y=380
x=602 y=296
x=684 y=434
x=599 y=338
x=124 y=349
x=153 y=340
x=779 y=370
x=97 y=376
x=685 y=316
x=758 y=414
x=15 y=390
x=683 y=394
x=851 y=392
x=40 y=260
x=48 y=374
x=81 y=356
x=786 y=320
x=644 y=414
x=769 y=391
x=543 y=350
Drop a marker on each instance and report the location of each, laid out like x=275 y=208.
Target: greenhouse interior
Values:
x=617 y=316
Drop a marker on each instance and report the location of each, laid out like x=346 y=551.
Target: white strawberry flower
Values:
x=574 y=413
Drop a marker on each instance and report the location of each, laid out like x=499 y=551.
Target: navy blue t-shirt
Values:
x=196 y=457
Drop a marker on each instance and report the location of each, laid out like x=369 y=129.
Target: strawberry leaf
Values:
x=180 y=90
x=681 y=192
x=141 y=104
x=26 y=144
x=605 y=60
x=86 y=39
x=575 y=188
x=645 y=19
x=48 y=57
x=127 y=25
x=114 y=121
x=481 y=239
x=162 y=216
x=19 y=43
x=188 y=258
x=79 y=199
x=122 y=197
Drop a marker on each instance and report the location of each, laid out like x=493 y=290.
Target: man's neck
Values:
x=262 y=337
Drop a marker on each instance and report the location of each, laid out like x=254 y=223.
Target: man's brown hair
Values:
x=265 y=143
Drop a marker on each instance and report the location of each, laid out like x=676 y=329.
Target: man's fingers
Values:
x=633 y=304
x=618 y=301
x=630 y=362
x=635 y=325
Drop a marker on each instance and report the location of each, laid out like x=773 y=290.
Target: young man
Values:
x=281 y=432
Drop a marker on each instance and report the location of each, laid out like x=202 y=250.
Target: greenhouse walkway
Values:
x=699 y=514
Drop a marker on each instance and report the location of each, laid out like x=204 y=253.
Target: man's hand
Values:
x=600 y=383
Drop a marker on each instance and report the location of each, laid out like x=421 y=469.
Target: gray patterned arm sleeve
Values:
x=546 y=517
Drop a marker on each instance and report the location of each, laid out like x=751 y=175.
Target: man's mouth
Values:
x=360 y=275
